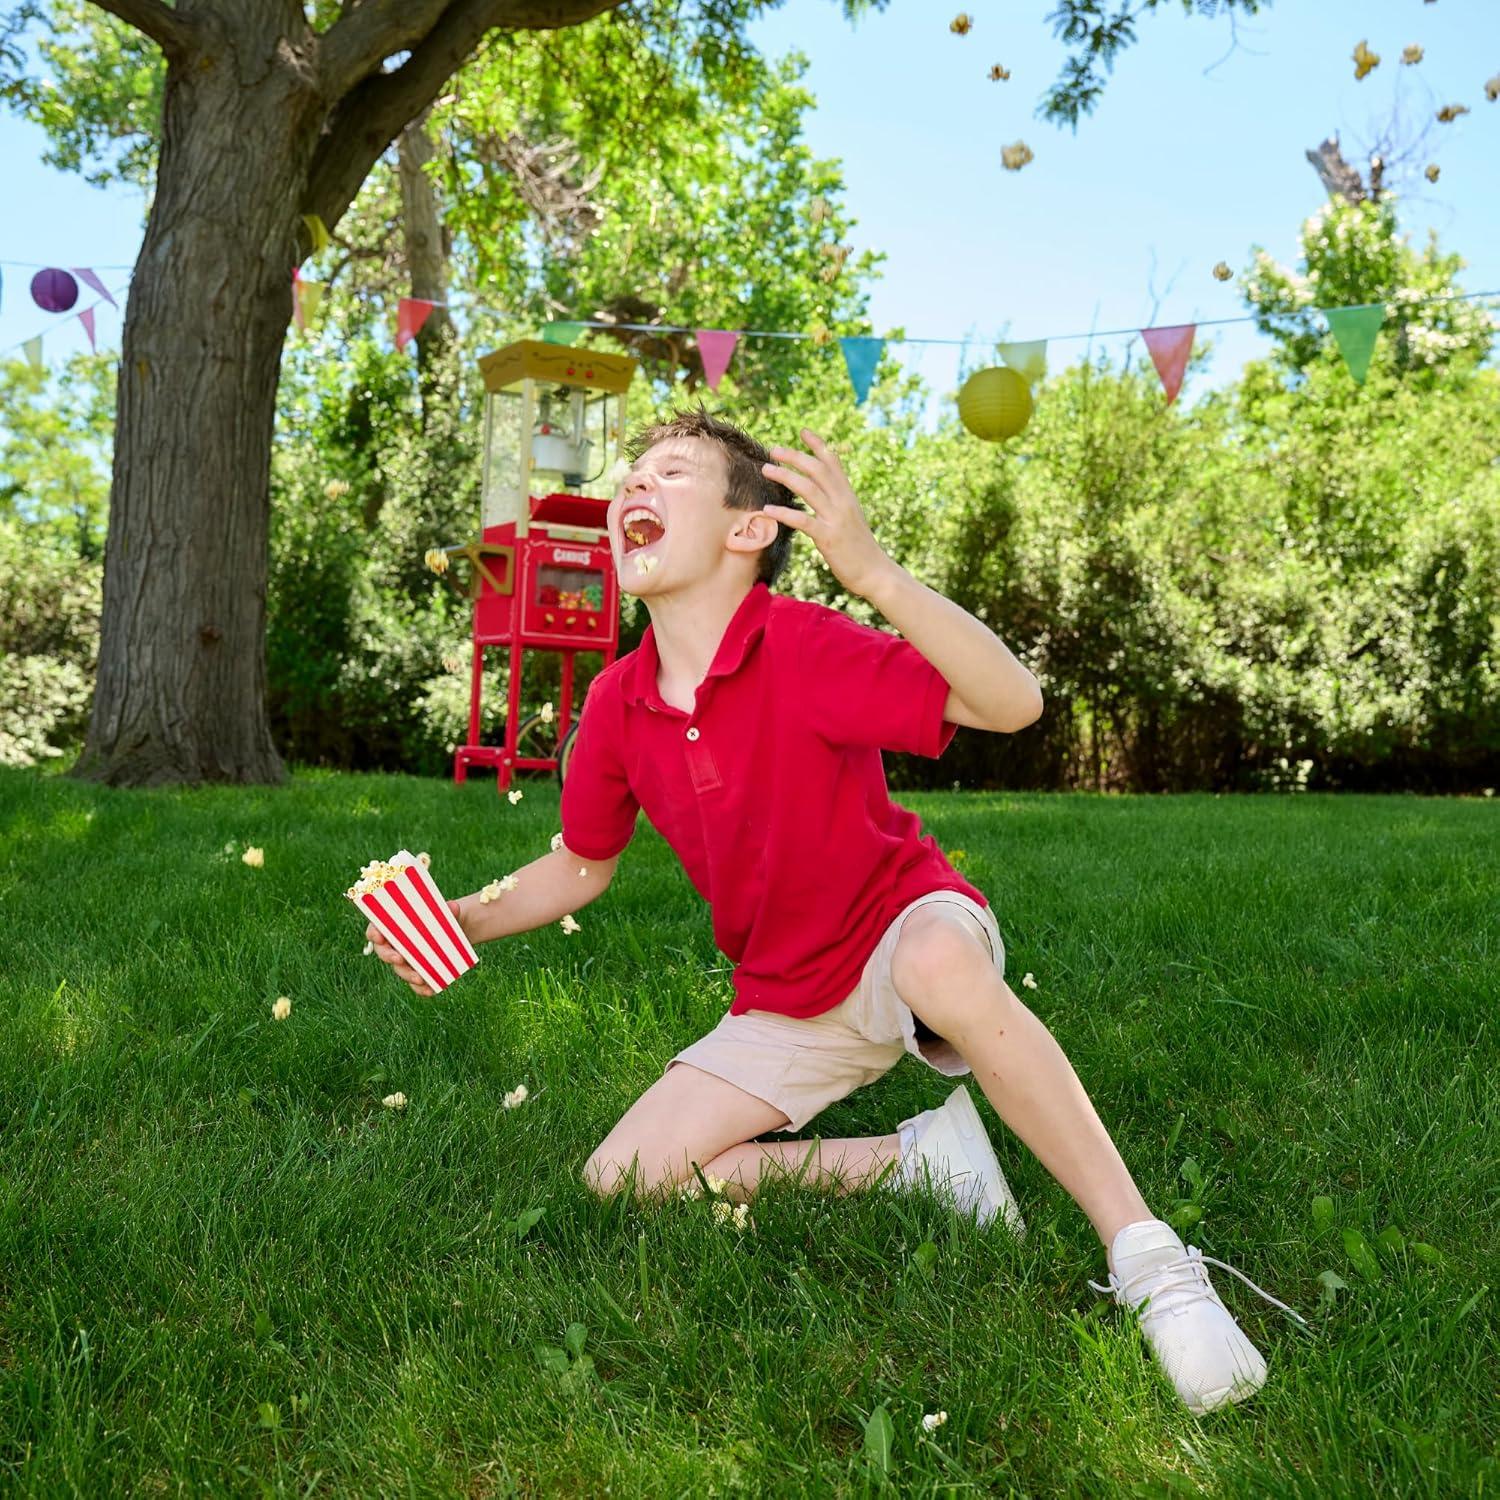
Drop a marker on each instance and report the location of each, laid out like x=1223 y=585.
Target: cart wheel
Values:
x=537 y=738
x=565 y=754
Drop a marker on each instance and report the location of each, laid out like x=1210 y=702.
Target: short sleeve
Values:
x=869 y=687
x=598 y=807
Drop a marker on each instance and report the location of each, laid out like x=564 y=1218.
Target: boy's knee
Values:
x=934 y=949
x=604 y=1174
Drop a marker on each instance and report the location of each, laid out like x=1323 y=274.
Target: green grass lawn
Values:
x=225 y=1266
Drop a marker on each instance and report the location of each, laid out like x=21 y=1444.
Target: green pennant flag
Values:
x=1355 y=328
x=561 y=333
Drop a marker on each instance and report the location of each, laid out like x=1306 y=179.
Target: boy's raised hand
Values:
x=837 y=525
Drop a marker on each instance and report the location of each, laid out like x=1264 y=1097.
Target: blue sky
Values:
x=1194 y=155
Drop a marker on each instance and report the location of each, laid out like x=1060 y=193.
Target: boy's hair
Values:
x=747 y=488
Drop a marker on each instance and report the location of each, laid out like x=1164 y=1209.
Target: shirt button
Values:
x=692 y=734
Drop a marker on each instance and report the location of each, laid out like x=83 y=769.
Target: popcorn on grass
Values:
x=513 y=796
x=254 y=857
x=516 y=1096
x=1029 y=981
x=394 y=1101
x=933 y=1420
x=568 y=925
x=281 y=1009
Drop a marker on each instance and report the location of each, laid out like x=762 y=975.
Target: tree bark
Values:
x=426 y=253
x=257 y=129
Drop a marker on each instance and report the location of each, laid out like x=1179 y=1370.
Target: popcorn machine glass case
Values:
x=542 y=571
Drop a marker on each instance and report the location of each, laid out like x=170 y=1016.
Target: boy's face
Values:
x=678 y=525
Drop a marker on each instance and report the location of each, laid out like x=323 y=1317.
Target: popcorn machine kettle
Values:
x=541 y=573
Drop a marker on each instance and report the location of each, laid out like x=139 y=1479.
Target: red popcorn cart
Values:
x=541 y=573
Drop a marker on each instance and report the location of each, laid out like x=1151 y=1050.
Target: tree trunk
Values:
x=426 y=255
x=180 y=695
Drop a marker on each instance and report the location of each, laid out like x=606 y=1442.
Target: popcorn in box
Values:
x=403 y=901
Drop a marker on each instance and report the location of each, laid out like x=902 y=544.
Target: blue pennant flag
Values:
x=862 y=356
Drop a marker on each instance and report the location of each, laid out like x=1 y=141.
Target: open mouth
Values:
x=640 y=528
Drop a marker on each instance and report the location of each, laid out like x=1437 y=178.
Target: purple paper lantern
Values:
x=53 y=290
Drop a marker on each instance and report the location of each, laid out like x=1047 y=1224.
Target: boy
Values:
x=749 y=727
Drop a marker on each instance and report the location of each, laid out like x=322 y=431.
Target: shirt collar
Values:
x=743 y=630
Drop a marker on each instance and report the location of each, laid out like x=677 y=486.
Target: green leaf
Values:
x=924 y=1259
x=1322 y=1213
x=880 y=1438
x=1423 y=1251
x=574 y=1338
x=1185 y=1216
x=1357 y=1248
x=1391 y=1239
x=523 y=1224
x=262 y=1323
x=550 y=1357
x=1193 y=1175
x=1333 y=1284
x=270 y=1415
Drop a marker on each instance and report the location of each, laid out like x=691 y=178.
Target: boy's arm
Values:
x=988 y=687
x=546 y=890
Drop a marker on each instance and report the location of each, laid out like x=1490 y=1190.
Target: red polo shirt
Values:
x=772 y=792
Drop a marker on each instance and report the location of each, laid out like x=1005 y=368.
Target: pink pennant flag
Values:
x=1170 y=348
x=411 y=314
x=86 y=317
x=715 y=349
x=87 y=276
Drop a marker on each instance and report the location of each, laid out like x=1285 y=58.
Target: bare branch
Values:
x=169 y=29
x=366 y=34
x=378 y=108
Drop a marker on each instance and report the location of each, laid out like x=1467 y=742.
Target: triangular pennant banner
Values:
x=715 y=349
x=89 y=278
x=1355 y=328
x=318 y=232
x=1170 y=348
x=1028 y=360
x=561 y=333
x=33 y=348
x=861 y=356
x=306 y=295
x=2 y=290
x=411 y=314
x=86 y=317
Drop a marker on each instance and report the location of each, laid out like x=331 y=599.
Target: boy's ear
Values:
x=753 y=531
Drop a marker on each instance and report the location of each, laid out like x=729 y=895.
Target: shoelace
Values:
x=1186 y=1277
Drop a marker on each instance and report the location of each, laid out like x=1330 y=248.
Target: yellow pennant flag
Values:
x=318 y=231
x=307 y=295
x=33 y=348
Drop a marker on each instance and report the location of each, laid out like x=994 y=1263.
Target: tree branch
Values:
x=380 y=106
x=366 y=34
x=169 y=29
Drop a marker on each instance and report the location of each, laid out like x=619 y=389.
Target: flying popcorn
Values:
x=999 y=74
x=513 y=796
x=568 y=925
x=583 y=869
x=962 y=24
x=934 y=1419
x=1450 y=112
x=282 y=1008
x=515 y=1096
x=436 y=559
x=1222 y=271
x=644 y=564
x=1029 y=981
x=819 y=210
x=336 y=489
x=1492 y=88
x=1013 y=158
x=556 y=842
x=253 y=857
x=1365 y=61
x=394 y=1101
x=1431 y=174
x=1412 y=54
x=369 y=949
x=425 y=860
x=546 y=713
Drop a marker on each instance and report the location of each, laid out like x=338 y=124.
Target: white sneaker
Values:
x=1197 y=1343
x=948 y=1150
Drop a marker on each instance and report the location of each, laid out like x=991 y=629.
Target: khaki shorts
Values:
x=803 y=1066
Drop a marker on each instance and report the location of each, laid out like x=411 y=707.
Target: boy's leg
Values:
x=944 y=974
x=690 y=1116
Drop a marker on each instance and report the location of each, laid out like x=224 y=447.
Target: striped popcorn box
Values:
x=401 y=898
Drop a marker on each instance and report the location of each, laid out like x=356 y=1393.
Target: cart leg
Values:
x=512 y=719
x=567 y=699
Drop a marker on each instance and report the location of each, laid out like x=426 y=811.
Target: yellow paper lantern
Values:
x=994 y=404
